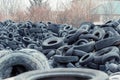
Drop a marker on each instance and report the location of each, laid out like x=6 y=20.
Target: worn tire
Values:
x=99 y=33
x=52 y=43
x=106 y=54
x=84 y=60
x=111 y=41
x=64 y=74
x=30 y=61
x=38 y=55
x=65 y=59
x=87 y=47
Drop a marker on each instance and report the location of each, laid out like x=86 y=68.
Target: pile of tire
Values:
x=65 y=46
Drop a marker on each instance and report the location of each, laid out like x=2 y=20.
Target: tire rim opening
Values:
x=52 y=42
x=18 y=69
x=66 y=78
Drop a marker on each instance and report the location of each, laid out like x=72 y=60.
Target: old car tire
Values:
x=65 y=59
x=106 y=54
x=52 y=43
x=29 y=62
x=84 y=60
x=64 y=74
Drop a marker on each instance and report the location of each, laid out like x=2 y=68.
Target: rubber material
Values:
x=106 y=54
x=31 y=61
x=65 y=59
x=80 y=73
x=52 y=43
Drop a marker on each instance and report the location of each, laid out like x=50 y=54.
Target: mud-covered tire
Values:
x=64 y=74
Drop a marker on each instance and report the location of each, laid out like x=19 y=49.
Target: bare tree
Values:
x=79 y=11
x=38 y=2
x=35 y=2
x=11 y=6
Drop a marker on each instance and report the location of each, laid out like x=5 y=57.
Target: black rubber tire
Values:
x=69 y=52
x=92 y=65
x=81 y=41
x=52 y=43
x=63 y=49
x=12 y=44
x=32 y=46
x=99 y=33
x=108 y=34
x=106 y=54
x=112 y=30
x=86 y=59
x=65 y=59
x=86 y=26
x=31 y=61
x=88 y=36
x=38 y=55
x=64 y=74
x=53 y=27
x=12 y=28
x=68 y=27
x=72 y=31
x=1 y=47
x=26 y=41
x=35 y=30
x=50 y=54
x=79 y=53
x=107 y=42
x=118 y=29
x=87 y=47
x=3 y=53
x=63 y=33
x=70 y=65
x=74 y=37
x=46 y=51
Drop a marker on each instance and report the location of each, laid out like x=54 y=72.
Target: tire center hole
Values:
x=18 y=69
x=85 y=57
x=27 y=39
x=66 y=78
x=52 y=42
x=10 y=36
x=106 y=35
x=67 y=27
x=97 y=34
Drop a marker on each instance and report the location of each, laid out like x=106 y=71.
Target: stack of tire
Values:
x=27 y=46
